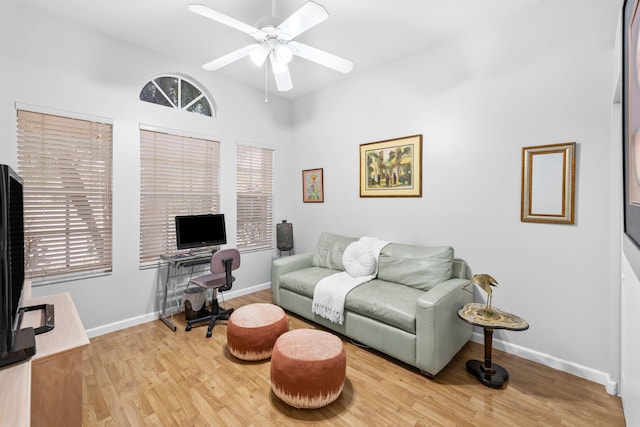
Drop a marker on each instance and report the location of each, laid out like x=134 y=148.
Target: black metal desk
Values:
x=174 y=264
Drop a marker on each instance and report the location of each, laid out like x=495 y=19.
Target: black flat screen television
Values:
x=12 y=347
x=198 y=231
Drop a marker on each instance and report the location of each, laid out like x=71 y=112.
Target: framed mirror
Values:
x=548 y=183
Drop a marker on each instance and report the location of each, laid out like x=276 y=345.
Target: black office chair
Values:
x=222 y=264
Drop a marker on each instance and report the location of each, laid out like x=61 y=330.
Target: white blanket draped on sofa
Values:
x=360 y=260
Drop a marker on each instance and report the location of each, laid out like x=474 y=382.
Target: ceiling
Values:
x=367 y=32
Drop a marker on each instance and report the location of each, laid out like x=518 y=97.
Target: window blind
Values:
x=66 y=167
x=178 y=176
x=254 y=197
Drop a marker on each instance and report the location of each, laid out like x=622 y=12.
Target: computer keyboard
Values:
x=192 y=262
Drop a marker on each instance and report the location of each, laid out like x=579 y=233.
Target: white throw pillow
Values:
x=358 y=260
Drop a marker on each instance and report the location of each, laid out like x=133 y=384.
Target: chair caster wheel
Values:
x=188 y=328
x=209 y=333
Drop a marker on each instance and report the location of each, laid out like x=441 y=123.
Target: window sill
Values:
x=62 y=278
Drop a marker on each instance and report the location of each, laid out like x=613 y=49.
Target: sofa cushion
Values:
x=330 y=250
x=304 y=281
x=386 y=302
x=358 y=260
x=417 y=266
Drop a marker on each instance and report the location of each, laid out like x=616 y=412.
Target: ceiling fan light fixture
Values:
x=283 y=53
x=259 y=55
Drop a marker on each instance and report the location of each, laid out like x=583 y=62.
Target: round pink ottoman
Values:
x=253 y=329
x=308 y=368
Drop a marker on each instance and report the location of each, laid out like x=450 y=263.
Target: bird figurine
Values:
x=485 y=282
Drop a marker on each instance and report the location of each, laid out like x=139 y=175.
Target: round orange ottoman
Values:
x=253 y=329
x=308 y=368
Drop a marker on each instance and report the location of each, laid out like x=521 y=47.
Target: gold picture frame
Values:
x=391 y=168
x=548 y=183
x=312 y=186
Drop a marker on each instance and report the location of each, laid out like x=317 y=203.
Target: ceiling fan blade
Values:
x=281 y=74
x=321 y=57
x=308 y=16
x=214 y=15
x=230 y=57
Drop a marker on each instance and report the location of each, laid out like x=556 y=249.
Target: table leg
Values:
x=163 y=316
x=491 y=375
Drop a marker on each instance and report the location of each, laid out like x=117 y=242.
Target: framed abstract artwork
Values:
x=631 y=119
x=391 y=168
x=312 y=186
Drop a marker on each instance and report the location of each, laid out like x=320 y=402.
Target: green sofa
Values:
x=409 y=311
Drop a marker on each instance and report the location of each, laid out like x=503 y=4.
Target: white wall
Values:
x=543 y=76
x=63 y=67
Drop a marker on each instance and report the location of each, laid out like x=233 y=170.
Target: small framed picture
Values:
x=312 y=186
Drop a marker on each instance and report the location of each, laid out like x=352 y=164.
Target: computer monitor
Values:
x=197 y=231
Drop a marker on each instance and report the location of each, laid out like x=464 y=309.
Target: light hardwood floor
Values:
x=150 y=376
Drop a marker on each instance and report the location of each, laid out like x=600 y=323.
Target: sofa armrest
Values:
x=284 y=265
x=442 y=291
x=440 y=334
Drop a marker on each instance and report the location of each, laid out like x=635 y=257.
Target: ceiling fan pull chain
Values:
x=266 y=82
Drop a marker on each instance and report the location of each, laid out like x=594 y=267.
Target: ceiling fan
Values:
x=276 y=43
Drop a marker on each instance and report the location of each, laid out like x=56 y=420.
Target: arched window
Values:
x=176 y=92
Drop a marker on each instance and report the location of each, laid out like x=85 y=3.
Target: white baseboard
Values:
x=246 y=291
x=121 y=324
x=149 y=317
x=552 y=362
